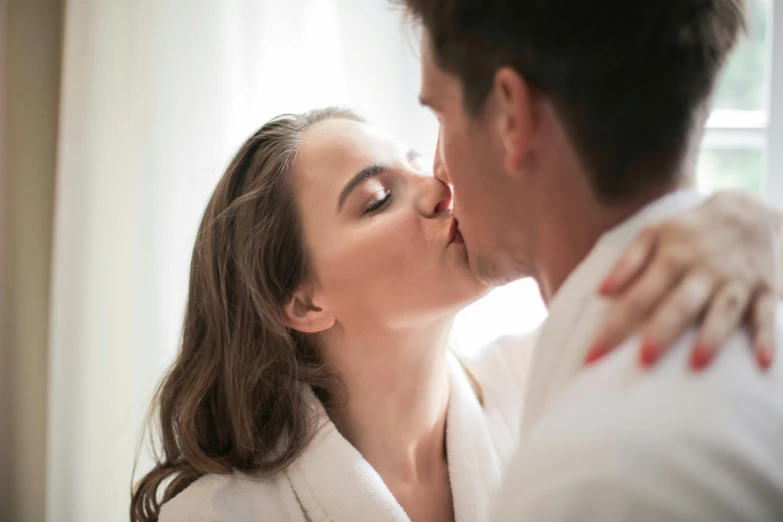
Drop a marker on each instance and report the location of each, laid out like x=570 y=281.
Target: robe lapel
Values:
x=334 y=483
x=474 y=465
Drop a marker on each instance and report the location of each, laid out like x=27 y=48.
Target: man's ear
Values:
x=516 y=116
x=303 y=315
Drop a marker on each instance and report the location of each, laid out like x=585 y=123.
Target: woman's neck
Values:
x=398 y=392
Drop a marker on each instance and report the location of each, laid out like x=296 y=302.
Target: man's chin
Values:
x=492 y=272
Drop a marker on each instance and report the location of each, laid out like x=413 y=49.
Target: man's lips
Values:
x=454 y=234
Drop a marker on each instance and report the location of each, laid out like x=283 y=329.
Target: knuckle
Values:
x=683 y=308
x=649 y=232
x=699 y=286
x=613 y=330
x=635 y=306
x=731 y=302
x=665 y=322
x=709 y=335
x=767 y=303
x=734 y=298
x=715 y=331
x=673 y=258
x=683 y=311
x=623 y=265
x=764 y=311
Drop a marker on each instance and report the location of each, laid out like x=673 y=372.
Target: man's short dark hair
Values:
x=628 y=78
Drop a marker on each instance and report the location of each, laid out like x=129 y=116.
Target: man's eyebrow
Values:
x=363 y=175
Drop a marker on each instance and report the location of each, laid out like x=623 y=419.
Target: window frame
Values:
x=774 y=173
x=757 y=130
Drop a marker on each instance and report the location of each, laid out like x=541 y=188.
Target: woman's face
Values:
x=379 y=229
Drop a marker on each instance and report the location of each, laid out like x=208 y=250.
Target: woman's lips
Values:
x=454 y=234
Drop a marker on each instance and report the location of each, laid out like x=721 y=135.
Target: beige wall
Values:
x=5 y=445
x=30 y=51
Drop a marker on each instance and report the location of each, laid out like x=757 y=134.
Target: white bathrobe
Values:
x=617 y=443
x=332 y=482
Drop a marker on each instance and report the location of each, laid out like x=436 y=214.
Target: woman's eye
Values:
x=379 y=203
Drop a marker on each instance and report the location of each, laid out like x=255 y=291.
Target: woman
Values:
x=314 y=380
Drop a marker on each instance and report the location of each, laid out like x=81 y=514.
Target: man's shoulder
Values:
x=619 y=393
x=237 y=497
x=698 y=444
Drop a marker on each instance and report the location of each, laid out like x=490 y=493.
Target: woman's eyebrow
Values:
x=363 y=175
x=370 y=171
x=413 y=156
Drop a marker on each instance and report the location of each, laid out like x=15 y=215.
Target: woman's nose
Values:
x=436 y=197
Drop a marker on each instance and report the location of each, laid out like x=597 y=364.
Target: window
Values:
x=739 y=136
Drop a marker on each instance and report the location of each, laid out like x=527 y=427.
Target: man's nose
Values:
x=436 y=197
x=438 y=166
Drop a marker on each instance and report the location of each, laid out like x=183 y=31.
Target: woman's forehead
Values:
x=334 y=150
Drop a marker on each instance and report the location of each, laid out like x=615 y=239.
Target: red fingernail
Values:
x=765 y=357
x=606 y=286
x=649 y=354
x=701 y=356
x=595 y=354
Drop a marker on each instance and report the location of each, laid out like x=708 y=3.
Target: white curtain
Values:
x=156 y=96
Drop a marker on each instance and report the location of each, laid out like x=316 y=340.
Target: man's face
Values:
x=489 y=201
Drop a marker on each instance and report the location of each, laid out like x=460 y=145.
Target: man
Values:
x=567 y=127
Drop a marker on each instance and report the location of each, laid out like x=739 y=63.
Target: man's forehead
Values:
x=432 y=78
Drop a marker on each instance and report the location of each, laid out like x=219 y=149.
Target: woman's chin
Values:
x=474 y=290
x=470 y=268
x=482 y=291
x=464 y=285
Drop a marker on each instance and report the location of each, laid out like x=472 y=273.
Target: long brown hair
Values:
x=233 y=399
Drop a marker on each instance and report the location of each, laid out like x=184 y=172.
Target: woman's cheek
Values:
x=393 y=246
x=386 y=248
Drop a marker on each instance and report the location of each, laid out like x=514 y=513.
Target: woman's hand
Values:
x=718 y=265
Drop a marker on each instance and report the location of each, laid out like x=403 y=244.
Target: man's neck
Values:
x=571 y=234
x=569 y=218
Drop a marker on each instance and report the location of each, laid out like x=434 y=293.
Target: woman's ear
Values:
x=303 y=315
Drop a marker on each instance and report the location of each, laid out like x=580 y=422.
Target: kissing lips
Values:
x=454 y=234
